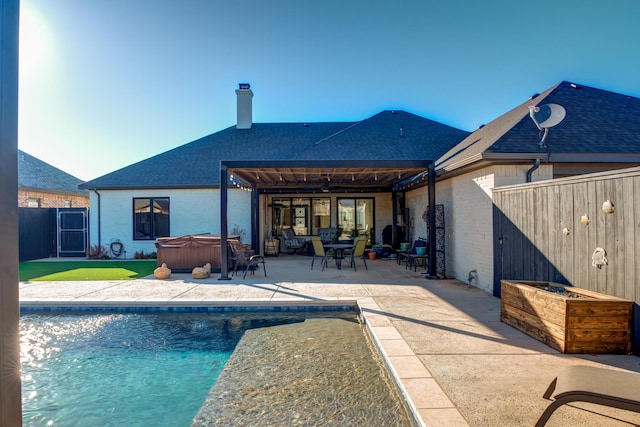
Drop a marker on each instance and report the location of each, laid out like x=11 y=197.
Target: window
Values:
x=321 y=213
x=304 y=215
x=150 y=218
x=355 y=218
x=33 y=203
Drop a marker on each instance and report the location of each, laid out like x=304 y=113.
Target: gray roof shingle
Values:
x=36 y=174
x=597 y=121
x=196 y=164
x=389 y=135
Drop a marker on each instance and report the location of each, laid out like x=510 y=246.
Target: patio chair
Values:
x=328 y=235
x=290 y=241
x=607 y=387
x=247 y=264
x=404 y=255
x=318 y=251
x=358 y=252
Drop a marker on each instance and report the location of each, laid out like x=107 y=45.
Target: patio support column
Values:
x=224 y=252
x=394 y=218
x=255 y=219
x=432 y=222
x=10 y=388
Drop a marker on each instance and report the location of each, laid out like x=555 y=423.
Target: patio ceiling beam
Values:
x=326 y=164
x=380 y=175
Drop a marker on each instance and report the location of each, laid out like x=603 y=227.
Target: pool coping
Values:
x=426 y=400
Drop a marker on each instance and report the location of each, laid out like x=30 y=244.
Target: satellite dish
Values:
x=545 y=117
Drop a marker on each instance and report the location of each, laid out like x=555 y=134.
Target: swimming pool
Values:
x=114 y=369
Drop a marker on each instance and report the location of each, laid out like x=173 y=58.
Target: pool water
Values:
x=323 y=372
x=204 y=369
x=116 y=369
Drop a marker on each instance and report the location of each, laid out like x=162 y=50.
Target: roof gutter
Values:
x=495 y=157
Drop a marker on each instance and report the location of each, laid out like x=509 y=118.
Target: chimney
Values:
x=244 y=95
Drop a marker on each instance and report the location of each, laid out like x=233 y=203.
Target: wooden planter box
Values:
x=589 y=323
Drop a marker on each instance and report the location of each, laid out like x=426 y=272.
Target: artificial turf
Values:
x=38 y=271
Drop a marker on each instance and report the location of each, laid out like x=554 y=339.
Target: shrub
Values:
x=236 y=230
x=139 y=255
x=97 y=252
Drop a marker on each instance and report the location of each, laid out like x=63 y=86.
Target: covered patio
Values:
x=321 y=177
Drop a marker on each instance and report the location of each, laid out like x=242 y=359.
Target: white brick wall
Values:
x=191 y=212
x=471 y=230
x=468 y=208
x=417 y=202
x=384 y=213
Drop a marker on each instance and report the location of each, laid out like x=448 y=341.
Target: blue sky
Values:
x=107 y=83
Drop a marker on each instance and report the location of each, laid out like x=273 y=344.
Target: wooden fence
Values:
x=550 y=230
x=36 y=233
x=43 y=234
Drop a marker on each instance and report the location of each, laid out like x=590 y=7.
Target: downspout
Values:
x=99 y=209
x=536 y=165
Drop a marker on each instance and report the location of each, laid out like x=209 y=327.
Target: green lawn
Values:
x=35 y=271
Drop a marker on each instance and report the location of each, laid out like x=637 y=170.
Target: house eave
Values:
x=53 y=191
x=148 y=187
x=487 y=158
x=630 y=157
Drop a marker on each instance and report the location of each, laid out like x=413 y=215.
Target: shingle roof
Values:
x=389 y=135
x=36 y=174
x=597 y=121
x=385 y=136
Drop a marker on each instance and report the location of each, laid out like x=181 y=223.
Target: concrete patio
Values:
x=457 y=363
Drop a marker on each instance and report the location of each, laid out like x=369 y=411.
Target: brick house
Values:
x=41 y=185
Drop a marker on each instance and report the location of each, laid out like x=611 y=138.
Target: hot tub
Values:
x=184 y=253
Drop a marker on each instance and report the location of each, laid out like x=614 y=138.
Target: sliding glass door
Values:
x=356 y=218
x=304 y=215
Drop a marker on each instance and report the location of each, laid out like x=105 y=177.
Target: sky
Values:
x=107 y=83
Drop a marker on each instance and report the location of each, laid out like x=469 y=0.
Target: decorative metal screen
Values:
x=440 y=257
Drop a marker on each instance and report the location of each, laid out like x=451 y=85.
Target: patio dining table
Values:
x=338 y=251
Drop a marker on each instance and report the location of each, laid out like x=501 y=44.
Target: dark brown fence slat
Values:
x=36 y=233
